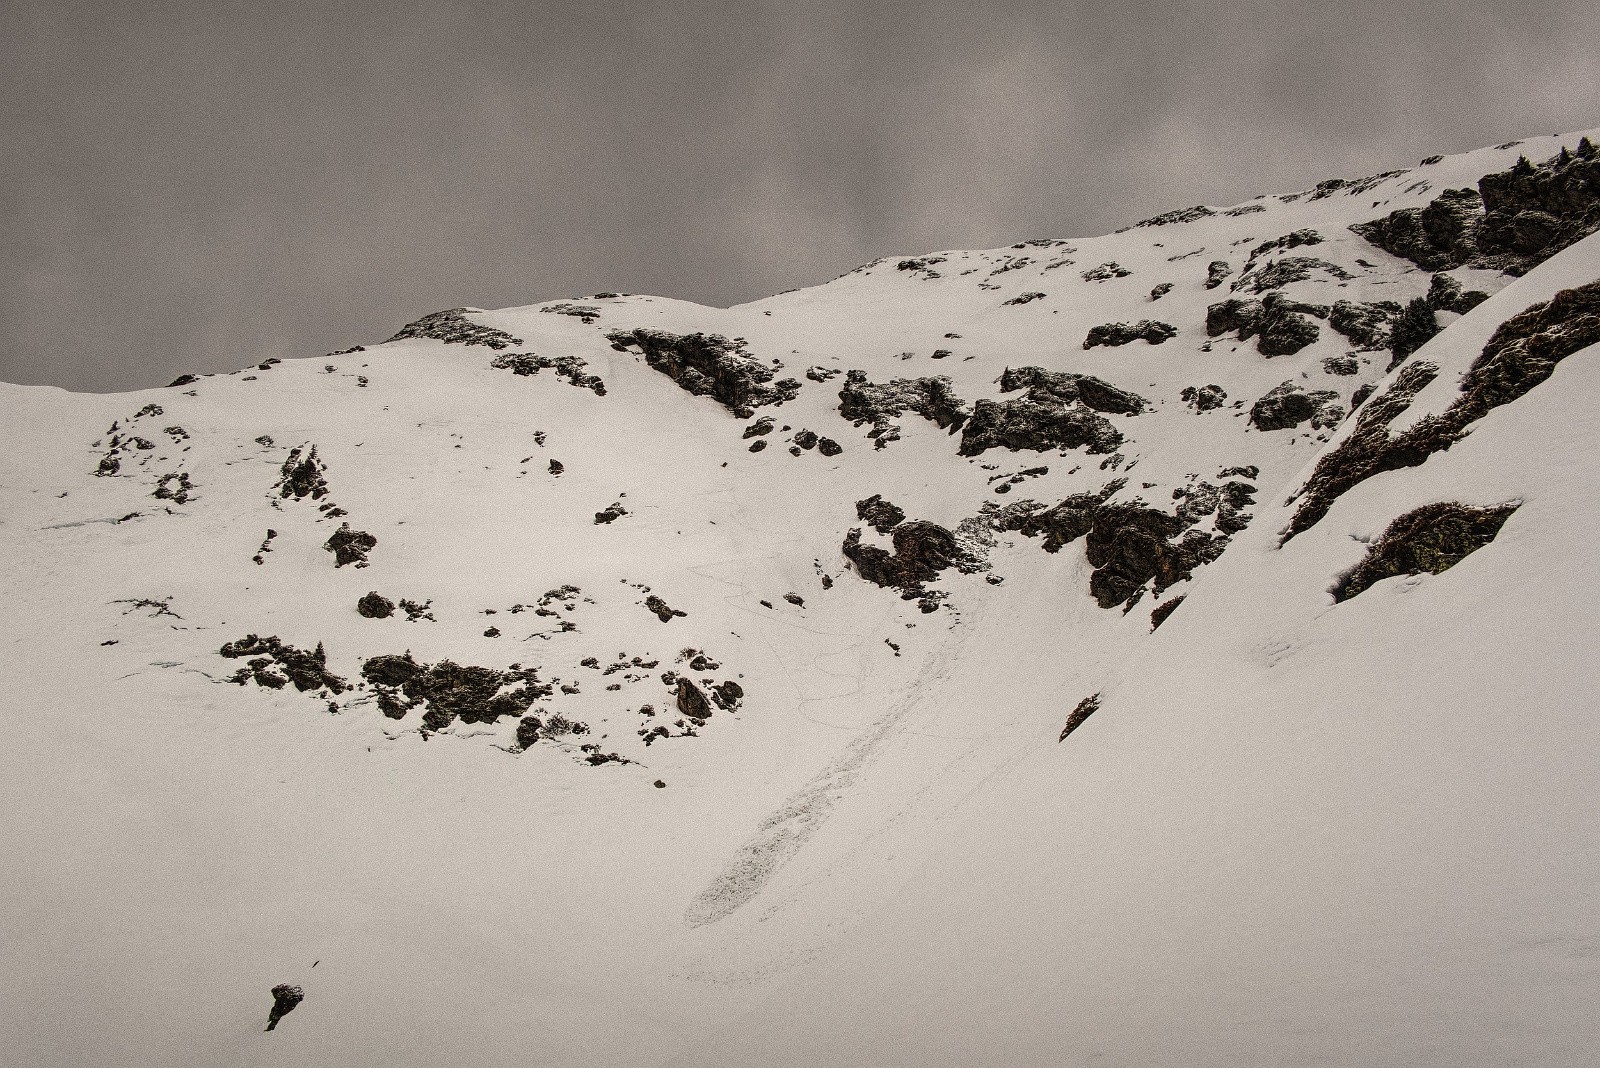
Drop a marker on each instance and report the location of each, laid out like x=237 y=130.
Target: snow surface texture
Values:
x=1292 y=832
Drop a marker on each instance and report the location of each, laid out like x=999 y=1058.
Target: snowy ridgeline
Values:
x=629 y=681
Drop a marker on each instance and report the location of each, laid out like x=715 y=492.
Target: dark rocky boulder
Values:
x=453 y=328
x=350 y=546
x=375 y=606
x=1341 y=366
x=1203 y=398
x=1084 y=709
x=1160 y=291
x=727 y=696
x=449 y=691
x=1433 y=538
x=284 y=999
x=1296 y=239
x=1446 y=294
x=1059 y=410
x=1522 y=353
x=710 y=365
x=302 y=475
x=1217 y=272
x=760 y=428
x=1288 y=404
x=614 y=511
x=1278 y=273
x=663 y=611
x=1159 y=614
x=1114 y=334
x=1414 y=328
x=1105 y=272
x=1282 y=326
x=1367 y=326
x=275 y=663
x=921 y=550
x=829 y=447
x=692 y=703
x=879 y=514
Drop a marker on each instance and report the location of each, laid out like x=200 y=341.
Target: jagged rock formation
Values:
x=1282 y=325
x=1288 y=404
x=1114 y=334
x=275 y=664
x=284 y=999
x=1105 y=272
x=709 y=365
x=861 y=401
x=571 y=369
x=1217 y=272
x=453 y=328
x=1366 y=325
x=375 y=605
x=303 y=475
x=1276 y=274
x=1521 y=353
x=1203 y=398
x=1433 y=538
x=1084 y=709
x=350 y=546
x=1059 y=411
x=879 y=514
x=1514 y=220
x=921 y=550
x=449 y=691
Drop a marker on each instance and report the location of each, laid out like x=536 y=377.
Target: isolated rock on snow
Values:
x=284 y=999
x=1114 y=334
x=710 y=365
x=1288 y=404
x=1433 y=538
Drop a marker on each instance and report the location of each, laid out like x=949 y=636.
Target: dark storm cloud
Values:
x=195 y=187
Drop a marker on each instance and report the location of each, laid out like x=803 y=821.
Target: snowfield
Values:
x=1294 y=831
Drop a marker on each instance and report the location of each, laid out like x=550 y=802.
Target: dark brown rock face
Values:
x=284 y=999
x=881 y=515
x=350 y=546
x=1059 y=410
x=921 y=550
x=1513 y=221
x=710 y=365
x=861 y=401
x=454 y=328
x=375 y=606
x=1287 y=405
x=1115 y=334
x=1522 y=353
x=450 y=691
x=1433 y=538
x=692 y=703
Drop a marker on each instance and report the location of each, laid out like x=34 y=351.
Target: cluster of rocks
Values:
x=571 y=369
x=1433 y=538
x=1297 y=239
x=1105 y=272
x=1522 y=353
x=1513 y=220
x=302 y=475
x=1024 y=298
x=174 y=487
x=454 y=328
x=1169 y=218
x=710 y=365
x=862 y=402
x=1114 y=334
x=587 y=313
x=1203 y=398
x=1288 y=404
x=1059 y=410
x=921 y=266
x=350 y=546
x=275 y=664
x=1281 y=325
x=922 y=550
x=1275 y=274
x=448 y=691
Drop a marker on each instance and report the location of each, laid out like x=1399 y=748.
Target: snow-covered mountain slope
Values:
x=623 y=681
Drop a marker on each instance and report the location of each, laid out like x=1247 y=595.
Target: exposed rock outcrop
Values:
x=1433 y=538
x=1114 y=334
x=1059 y=410
x=275 y=664
x=375 y=606
x=350 y=546
x=1282 y=326
x=1203 y=398
x=285 y=997
x=454 y=328
x=1288 y=404
x=1522 y=353
x=921 y=550
x=449 y=691
x=1514 y=220
x=571 y=369
x=710 y=365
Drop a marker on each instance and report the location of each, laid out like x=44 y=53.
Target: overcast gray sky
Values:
x=199 y=186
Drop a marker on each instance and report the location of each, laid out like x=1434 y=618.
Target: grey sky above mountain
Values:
x=194 y=187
